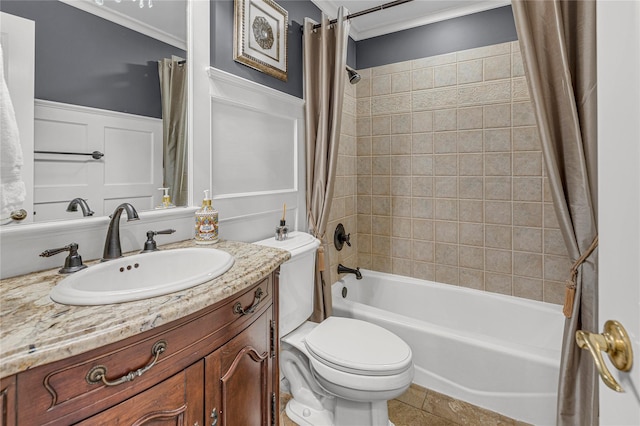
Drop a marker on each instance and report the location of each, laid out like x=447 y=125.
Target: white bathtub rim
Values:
x=544 y=306
x=548 y=357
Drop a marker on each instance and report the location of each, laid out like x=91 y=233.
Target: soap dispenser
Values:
x=166 y=200
x=206 y=222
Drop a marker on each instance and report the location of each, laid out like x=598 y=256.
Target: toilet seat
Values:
x=357 y=347
x=348 y=348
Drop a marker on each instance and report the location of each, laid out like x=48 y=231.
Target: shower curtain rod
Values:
x=367 y=11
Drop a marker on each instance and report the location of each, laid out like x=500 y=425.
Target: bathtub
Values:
x=494 y=351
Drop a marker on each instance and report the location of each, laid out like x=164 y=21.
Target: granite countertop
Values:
x=34 y=330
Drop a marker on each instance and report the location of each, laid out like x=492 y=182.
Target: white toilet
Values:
x=342 y=371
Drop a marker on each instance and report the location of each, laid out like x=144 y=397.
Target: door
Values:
x=18 y=39
x=239 y=378
x=618 y=32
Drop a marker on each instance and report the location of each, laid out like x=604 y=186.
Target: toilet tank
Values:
x=297 y=275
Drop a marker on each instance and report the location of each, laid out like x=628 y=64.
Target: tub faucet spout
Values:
x=112 y=249
x=344 y=270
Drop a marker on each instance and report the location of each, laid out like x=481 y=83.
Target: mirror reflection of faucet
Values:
x=344 y=270
x=73 y=207
x=112 y=249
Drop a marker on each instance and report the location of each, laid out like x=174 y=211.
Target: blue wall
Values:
x=467 y=32
x=222 y=44
x=85 y=60
x=82 y=59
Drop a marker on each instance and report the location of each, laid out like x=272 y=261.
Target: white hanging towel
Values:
x=12 y=189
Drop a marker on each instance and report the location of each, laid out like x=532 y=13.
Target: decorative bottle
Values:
x=282 y=231
x=206 y=222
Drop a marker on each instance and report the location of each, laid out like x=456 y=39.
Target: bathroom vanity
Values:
x=206 y=355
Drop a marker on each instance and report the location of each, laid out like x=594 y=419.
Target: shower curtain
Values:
x=558 y=44
x=173 y=90
x=324 y=61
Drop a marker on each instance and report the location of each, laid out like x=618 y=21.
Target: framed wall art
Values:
x=260 y=37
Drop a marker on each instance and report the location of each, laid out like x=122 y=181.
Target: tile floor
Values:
x=422 y=407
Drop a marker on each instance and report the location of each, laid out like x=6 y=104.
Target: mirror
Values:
x=97 y=88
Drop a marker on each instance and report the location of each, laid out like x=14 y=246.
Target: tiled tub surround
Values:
x=36 y=331
x=450 y=175
x=343 y=209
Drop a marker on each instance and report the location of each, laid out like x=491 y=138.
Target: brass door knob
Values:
x=19 y=215
x=614 y=340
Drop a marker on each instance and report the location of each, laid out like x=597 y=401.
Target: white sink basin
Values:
x=142 y=276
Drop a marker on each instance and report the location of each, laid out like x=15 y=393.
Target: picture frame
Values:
x=260 y=36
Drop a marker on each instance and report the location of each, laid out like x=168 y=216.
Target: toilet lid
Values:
x=358 y=347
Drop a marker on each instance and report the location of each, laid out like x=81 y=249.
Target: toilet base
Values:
x=374 y=413
x=303 y=415
x=347 y=413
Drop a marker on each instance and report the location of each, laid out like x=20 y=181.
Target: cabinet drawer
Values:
x=174 y=401
x=73 y=389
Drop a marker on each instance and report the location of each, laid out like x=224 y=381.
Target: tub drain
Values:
x=344 y=292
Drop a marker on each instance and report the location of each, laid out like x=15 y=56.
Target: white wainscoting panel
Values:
x=21 y=245
x=257 y=157
x=130 y=171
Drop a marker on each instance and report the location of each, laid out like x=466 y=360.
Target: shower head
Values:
x=354 y=77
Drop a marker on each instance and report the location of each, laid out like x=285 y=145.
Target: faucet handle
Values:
x=165 y=231
x=150 y=244
x=340 y=237
x=72 y=263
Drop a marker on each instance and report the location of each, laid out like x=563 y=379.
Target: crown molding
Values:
x=126 y=21
x=357 y=33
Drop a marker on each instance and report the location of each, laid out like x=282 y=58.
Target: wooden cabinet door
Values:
x=239 y=378
x=177 y=400
x=8 y=401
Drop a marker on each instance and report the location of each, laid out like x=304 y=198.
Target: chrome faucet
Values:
x=73 y=206
x=344 y=270
x=112 y=249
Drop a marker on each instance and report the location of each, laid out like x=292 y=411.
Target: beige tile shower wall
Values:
x=450 y=176
x=343 y=208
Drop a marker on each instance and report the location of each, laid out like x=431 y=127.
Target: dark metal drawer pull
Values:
x=237 y=308
x=99 y=373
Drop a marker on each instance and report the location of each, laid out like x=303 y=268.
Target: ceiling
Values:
x=404 y=16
